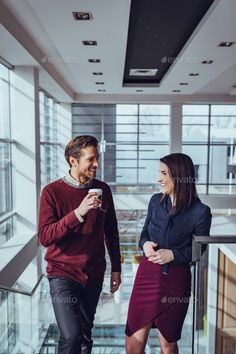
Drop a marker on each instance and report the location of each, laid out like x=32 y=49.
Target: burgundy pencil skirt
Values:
x=162 y=298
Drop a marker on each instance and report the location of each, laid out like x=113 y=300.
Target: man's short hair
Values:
x=74 y=147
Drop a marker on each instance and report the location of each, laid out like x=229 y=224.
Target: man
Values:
x=73 y=227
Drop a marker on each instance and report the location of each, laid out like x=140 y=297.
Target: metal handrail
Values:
x=6 y=140
x=7 y=216
x=198 y=241
x=214 y=239
x=22 y=292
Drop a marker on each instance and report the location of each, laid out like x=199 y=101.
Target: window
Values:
x=132 y=140
x=6 y=204
x=209 y=137
x=48 y=139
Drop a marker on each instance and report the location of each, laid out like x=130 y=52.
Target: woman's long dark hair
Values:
x=182 y=173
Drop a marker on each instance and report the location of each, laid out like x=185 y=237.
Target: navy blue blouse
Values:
x=175 y=232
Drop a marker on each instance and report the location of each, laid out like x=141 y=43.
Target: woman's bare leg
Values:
x=136 y=343
x=166 y=347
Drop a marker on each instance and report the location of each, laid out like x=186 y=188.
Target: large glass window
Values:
x=5 y=146
x=5 y=178
x=132 y=140
x=222 y=154
x=142 y=137
x=6 y=205
x=5 y=102
x=209 y=137
x=48 y=139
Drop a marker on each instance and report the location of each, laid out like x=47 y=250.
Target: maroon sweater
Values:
x=76 y=250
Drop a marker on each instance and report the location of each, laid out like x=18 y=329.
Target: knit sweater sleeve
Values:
x=51 y=229
x=112 y=236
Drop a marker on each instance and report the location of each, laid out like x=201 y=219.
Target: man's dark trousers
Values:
x=74 y=306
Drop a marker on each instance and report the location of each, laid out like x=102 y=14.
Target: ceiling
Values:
x=157 y=35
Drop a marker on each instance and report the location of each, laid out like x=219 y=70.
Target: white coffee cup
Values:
x=98 y=191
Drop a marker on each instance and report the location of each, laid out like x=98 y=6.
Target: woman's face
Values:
x=165 y=180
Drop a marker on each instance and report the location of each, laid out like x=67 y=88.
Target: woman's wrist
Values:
x=172 y=255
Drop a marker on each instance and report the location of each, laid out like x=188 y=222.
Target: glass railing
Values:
x=27 y=323
x=214 y=295
x=25 y=317
x=7 y=227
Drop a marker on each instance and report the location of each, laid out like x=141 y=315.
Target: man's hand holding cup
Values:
x=97 y=192
x=92 y=200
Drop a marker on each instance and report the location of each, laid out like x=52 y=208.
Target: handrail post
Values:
x=194 y=307
x=196 y=251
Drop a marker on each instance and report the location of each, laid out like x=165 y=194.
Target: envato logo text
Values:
x=55 y=59
x=185 y=179
x=175 y=300
x=65 y=300
x=186 y=60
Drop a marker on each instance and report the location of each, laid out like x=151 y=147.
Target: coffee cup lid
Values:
x=95 y=190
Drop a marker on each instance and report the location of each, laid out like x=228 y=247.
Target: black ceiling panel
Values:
x=158 y=30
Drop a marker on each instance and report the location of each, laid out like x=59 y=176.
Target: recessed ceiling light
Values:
x=82 y=16
x=207 y=61
x=101 y=90
x=194 y=74
x=97 y=73
x=176 y=90
x=139 y=90
x=142 y=72
x=183 y=83
x=94 y=60
x=99 y=83
x=225 y=44
x=89 y=42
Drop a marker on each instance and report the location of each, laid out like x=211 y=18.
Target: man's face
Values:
x=85 y=168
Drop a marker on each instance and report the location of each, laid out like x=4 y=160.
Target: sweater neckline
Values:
x=68 y=179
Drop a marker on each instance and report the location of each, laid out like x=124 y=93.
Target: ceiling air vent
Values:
x=82 y=16
x=143 y=72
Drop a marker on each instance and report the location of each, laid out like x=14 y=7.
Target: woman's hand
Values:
x=161 y=256
x=148 y=248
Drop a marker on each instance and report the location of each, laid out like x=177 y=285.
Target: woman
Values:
x=162 y=286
